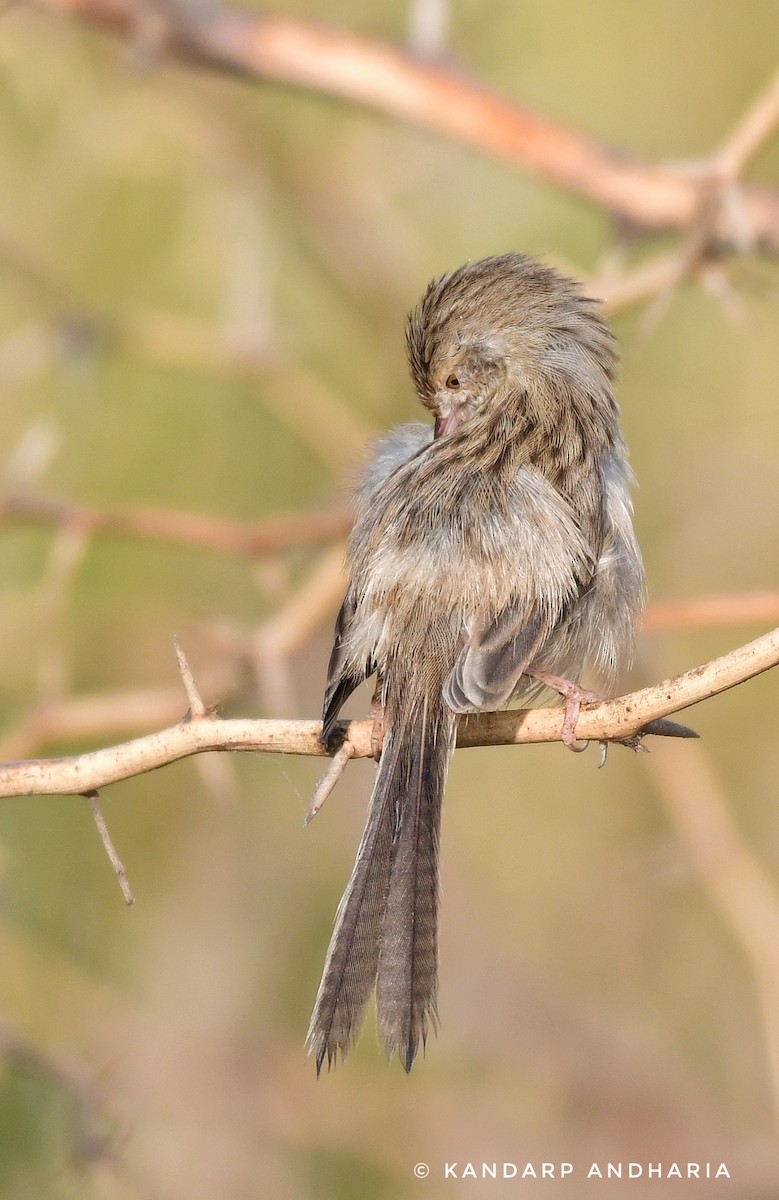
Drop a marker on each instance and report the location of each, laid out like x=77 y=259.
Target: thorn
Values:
x=329 y=779
x=93 y=797
x=196 y=706
x=665 y=728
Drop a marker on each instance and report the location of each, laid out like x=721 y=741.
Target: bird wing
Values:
x=343 y=675
x=489 y=666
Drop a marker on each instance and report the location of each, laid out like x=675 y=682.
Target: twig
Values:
x=753 y=129
x=689 y=257
x=427 y=27
x=105 y=837
x=613 y=720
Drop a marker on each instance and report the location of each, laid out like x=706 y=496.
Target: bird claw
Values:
x=635 y=742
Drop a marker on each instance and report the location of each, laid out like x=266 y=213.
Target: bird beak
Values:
x=446 y=425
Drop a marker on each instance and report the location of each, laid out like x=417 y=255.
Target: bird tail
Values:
x=386 y=930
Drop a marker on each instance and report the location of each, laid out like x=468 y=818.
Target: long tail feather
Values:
x=386 y=930
x=353 y=955
x=407 y=977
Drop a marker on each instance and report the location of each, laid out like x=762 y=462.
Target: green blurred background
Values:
x=203 y=284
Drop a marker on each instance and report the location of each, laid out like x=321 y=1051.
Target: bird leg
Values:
x=377 y=713
x=574 y=696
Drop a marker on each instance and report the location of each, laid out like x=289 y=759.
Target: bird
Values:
x=492 y=557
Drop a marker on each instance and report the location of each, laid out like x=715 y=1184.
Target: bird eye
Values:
x=452 y=382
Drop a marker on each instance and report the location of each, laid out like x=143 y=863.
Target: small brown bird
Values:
x=492 y=553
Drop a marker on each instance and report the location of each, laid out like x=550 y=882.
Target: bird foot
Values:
x=574 y=696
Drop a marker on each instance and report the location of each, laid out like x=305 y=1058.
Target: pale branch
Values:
x=439 y=97
x=614 y=720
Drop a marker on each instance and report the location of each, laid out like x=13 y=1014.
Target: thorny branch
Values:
x=617 y=719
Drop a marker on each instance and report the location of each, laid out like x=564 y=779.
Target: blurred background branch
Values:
x=189 y=529
x=439 y=97
x=739 y=886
